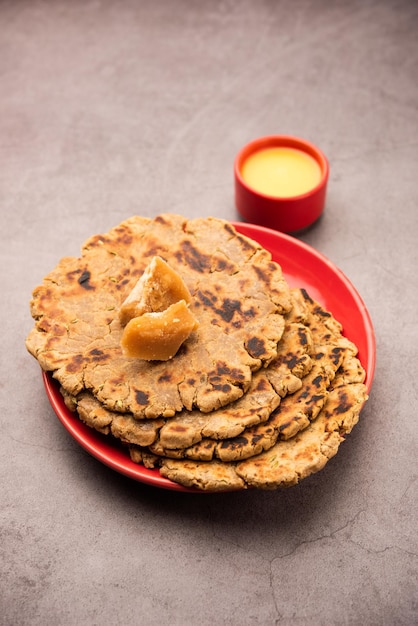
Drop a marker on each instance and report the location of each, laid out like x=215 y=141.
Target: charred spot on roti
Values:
x=256 y=347
x=207 y=298
x=261 y=385
x=141 y=397
x=302 y=336
x=306 y=296
x=75 y=363
x=228 y=309
x=318 y=310
x=263 y=274
x=124 y=235
x=98 y=355
x=318 y=380
x=197 y=260
x=165 y=378
x=344 y=403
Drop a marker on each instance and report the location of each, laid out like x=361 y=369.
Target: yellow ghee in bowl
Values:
x=281 y=172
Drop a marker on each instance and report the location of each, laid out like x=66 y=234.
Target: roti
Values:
x=268 y=386
x=294 y=413
x=241 y=442
x=123 y=426
x=238 y=296
x=287 y=462
x=298 y=407
x=301 y=435
x=260 y=394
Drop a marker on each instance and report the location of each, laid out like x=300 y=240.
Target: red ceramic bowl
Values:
x=289 y=213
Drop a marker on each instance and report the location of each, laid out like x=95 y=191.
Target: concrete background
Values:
x=109 y=109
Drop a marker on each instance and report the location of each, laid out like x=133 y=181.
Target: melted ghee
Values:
x=281 y=172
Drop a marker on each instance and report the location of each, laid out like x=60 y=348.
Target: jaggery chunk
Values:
x=158 y=288
x=157 y=336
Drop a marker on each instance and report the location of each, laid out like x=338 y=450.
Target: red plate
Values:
x=303 y=267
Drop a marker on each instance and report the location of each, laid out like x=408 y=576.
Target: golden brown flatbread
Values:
x=290 y=461
x=267 y=387
x=189 y=436
x=299 y=407
x=286 y=463
x=123 y=426
x=260 y=394
x=239 y=297
x=301 y=435
x=232 y=443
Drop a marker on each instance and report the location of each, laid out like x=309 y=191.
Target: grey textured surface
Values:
x=108 y=109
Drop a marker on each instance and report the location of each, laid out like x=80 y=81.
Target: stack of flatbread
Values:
x=262 y=392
